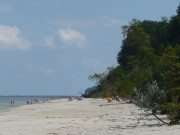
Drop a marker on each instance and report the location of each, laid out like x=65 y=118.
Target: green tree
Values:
x=135 y=37
x=158 y=34
x=177 y=50
x=174 y=28
x=172 y=73
x=178 y=10
x=172 y=82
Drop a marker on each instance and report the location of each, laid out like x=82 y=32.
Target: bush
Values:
x=150 y=97
x=173 y=112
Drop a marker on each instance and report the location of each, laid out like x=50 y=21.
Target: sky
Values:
x=50 y=47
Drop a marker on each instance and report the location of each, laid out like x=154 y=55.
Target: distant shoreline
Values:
x=5 y=101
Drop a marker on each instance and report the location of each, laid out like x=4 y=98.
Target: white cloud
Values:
x=72 y=37
x=49 y=42
x=10 y=39
x=46 y=71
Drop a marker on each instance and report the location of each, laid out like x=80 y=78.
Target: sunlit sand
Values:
x=87 y=117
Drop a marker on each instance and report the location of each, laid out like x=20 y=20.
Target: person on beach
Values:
x=36 y=101
x=69 y=99
x=11 y=102
x=117 y=98
x=109 y=99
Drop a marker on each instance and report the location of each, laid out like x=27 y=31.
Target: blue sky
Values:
x=50 y=47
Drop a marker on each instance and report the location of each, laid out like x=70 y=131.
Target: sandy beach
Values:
x=87 y=117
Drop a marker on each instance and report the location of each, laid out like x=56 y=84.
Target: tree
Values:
x=151 y=97
x=177 y=50
x=174 y=28
x=178 y=10
x=172 y=81
x=172 y=73
x=135 y=37
x=98 y=77
x=158 y=34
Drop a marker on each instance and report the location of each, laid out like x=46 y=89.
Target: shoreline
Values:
x=15 y=101
x=87 y=117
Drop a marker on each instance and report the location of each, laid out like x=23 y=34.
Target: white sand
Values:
x=88 y=117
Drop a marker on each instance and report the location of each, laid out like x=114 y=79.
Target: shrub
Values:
x=150 y=97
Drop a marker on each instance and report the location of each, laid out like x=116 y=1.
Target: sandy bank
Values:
x=88 y=117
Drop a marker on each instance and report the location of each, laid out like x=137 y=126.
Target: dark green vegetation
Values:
x=148 y=67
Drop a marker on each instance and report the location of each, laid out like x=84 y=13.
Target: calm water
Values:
x=5 y=101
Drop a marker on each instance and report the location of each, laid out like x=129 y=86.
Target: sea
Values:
x=5 y=101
